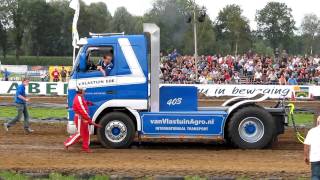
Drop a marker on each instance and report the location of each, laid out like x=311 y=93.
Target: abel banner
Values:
x=35 y=88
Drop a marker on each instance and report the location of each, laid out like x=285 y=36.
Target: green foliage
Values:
x=94 y=18
x=123 y=21
x=38 y=61
x=169 y=16
x=261 y=47
x=233 y=29
x=3 y=36
x=276 y=23
x=15 y=11
x=43 y=28
x=310 y=27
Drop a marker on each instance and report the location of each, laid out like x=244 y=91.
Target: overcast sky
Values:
x=299 y=7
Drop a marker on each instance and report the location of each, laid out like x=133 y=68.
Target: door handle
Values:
x=111 y=92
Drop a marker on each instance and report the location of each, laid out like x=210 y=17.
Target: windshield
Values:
x=76 y=63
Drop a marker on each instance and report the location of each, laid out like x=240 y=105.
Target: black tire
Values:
x=263 y=131
x=114 y=117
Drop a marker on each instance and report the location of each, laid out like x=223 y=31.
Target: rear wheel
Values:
x=117 y=130
x=251 y=127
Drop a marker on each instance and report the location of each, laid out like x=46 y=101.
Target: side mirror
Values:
x=82 y=62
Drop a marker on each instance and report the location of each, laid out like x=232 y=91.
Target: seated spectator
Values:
x=209 y=78
x=282 y=80
x=203 y=79
x=257 y=76
x=236 y=79
x=173 y=56
x=43 y=76
x=250 y=70
x=227 y=78
x=292 y=81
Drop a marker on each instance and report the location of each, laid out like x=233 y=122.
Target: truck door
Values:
x=100 y=87
x=132 y=68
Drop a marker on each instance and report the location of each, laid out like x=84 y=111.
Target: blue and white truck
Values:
x=130 y=105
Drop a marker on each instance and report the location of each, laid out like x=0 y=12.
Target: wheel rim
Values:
x=116 y=131
x=251 y=129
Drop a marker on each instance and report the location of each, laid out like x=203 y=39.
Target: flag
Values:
x=74 y=4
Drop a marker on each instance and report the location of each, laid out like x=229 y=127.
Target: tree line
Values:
x=43 y=28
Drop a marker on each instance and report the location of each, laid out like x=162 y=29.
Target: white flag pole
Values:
x=75 y=4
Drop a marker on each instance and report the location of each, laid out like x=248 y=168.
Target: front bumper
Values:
x=72 y=129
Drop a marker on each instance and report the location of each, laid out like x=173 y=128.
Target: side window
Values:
x=100 y=59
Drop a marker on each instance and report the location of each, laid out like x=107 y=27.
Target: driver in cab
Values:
x=105 y=64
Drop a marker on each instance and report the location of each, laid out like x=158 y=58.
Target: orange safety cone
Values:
x=293 y=98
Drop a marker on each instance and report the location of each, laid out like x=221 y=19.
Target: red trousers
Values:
x=82 y=132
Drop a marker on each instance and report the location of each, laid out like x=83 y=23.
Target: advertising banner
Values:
x=212 y=90
x=17 y=69
x=59 y=68
x=35 y=88
x=182 y=124
x=274 y=91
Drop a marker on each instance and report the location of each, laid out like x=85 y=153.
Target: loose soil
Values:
x=42 y=151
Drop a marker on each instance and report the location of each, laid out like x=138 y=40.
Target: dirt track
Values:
x=310 y=105
x=43 y=152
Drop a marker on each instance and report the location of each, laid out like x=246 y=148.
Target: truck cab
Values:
x=129 y=103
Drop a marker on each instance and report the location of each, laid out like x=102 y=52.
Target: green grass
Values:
x=36 y=113
x=57 y=176
x=194 y=178
x=243 y=178
x=53 y=176
x=41 y=113
x=305 y=119
x=12 y=176
x=6 y=175
x=100 y=177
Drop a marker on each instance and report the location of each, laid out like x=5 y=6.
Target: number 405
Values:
x=175 y=101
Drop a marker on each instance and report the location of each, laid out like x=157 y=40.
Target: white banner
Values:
x=274 y=91
x=210 y=90
x=18 y=69
x=35 y=88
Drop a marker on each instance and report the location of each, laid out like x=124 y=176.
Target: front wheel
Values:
x=117 y=130
x=251 y=127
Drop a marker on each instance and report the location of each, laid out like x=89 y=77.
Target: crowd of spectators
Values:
x=249 y=68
